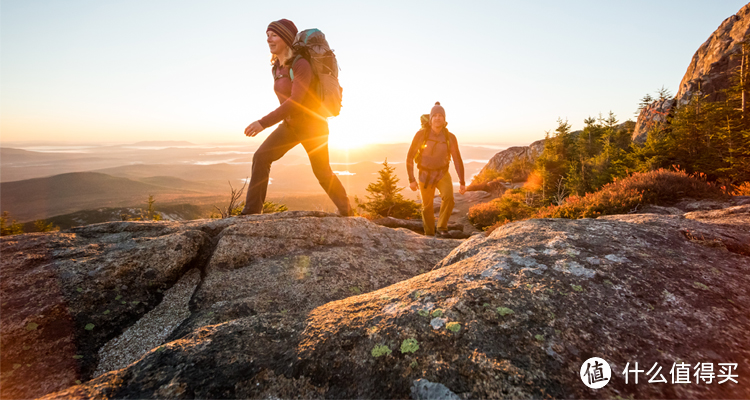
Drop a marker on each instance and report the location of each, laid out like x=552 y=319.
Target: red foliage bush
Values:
x=742 y=190
x=660 y=187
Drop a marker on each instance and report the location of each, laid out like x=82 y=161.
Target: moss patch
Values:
x=503 y=311
x=381 y=350
x=409 y=346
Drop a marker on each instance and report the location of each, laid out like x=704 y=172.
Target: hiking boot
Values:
x=348 y=212
x=443 y=234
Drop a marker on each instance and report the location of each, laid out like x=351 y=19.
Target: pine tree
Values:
x=645 y=102
x=664 y=93
x=9 y=226
x=553 y=163
x=151 y=214
x=384 y=198
x=43 y=226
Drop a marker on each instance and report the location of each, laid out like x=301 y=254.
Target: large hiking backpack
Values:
x=311 y=44
x=425 y=121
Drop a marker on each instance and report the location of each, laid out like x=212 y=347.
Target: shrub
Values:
x=9 y=226
x=510 y=207
x=43 y=226
x=660 y=187
x=742 y=190
x=517 y=171
x=233 y=208
x=268 y=207
x=484 y=176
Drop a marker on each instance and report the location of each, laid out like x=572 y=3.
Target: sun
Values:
x=344 y=142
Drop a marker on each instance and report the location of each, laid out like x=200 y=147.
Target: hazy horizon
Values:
x=72 y=178
x=30 y=144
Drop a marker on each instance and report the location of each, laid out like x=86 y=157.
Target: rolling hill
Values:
x=65 y=193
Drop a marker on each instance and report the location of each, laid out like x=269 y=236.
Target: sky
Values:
x=86 y=71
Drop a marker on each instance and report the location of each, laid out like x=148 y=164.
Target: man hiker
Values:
x=432 y=149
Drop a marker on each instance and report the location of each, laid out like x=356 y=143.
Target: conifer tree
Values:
x=664 y=93
x=9 y=226
x=384 y=198
x=645 y=102
x=553 y=163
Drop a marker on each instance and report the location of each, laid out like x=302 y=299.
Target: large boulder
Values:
x=717 y=59
x=294 y=263
x=653 y=116
x=80 y=303
x=709 y=73
x=506 y=157
x=514 y=314
x=65 y=294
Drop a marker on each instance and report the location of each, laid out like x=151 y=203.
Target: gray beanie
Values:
x=437 y=109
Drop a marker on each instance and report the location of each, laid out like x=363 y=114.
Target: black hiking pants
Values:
x=314 y=138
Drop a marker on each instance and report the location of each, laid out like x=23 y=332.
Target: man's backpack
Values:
x=311 y=44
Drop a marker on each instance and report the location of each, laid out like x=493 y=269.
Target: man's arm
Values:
x=415 y=143
x=458 y=162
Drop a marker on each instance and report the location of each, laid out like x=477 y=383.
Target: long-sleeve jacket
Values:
x=295 y=97
x=430 y=148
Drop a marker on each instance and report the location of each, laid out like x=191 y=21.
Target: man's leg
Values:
x=317 y=150
x=445 y=186
x=274 y=147
x=428 y=210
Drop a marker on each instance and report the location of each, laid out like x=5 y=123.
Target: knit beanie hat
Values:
x=285 y=29
x=437 y=109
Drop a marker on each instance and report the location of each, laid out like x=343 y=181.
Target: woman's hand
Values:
x=462 y=189
x=253 y=129
x=413 y=186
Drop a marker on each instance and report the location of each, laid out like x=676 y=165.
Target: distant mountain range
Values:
x=60 y=194
x=60 y=181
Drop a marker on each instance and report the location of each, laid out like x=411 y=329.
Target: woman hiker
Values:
x=433 y=147
x=299 y=123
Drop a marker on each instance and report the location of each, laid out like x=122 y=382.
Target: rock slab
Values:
x=520 y=312
x=94 y=299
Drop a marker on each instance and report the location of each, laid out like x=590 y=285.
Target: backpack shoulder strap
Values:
x=425 y=137
x=291 y=71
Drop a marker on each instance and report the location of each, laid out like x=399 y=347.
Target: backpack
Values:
x=311 y=44
x=425 y=121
